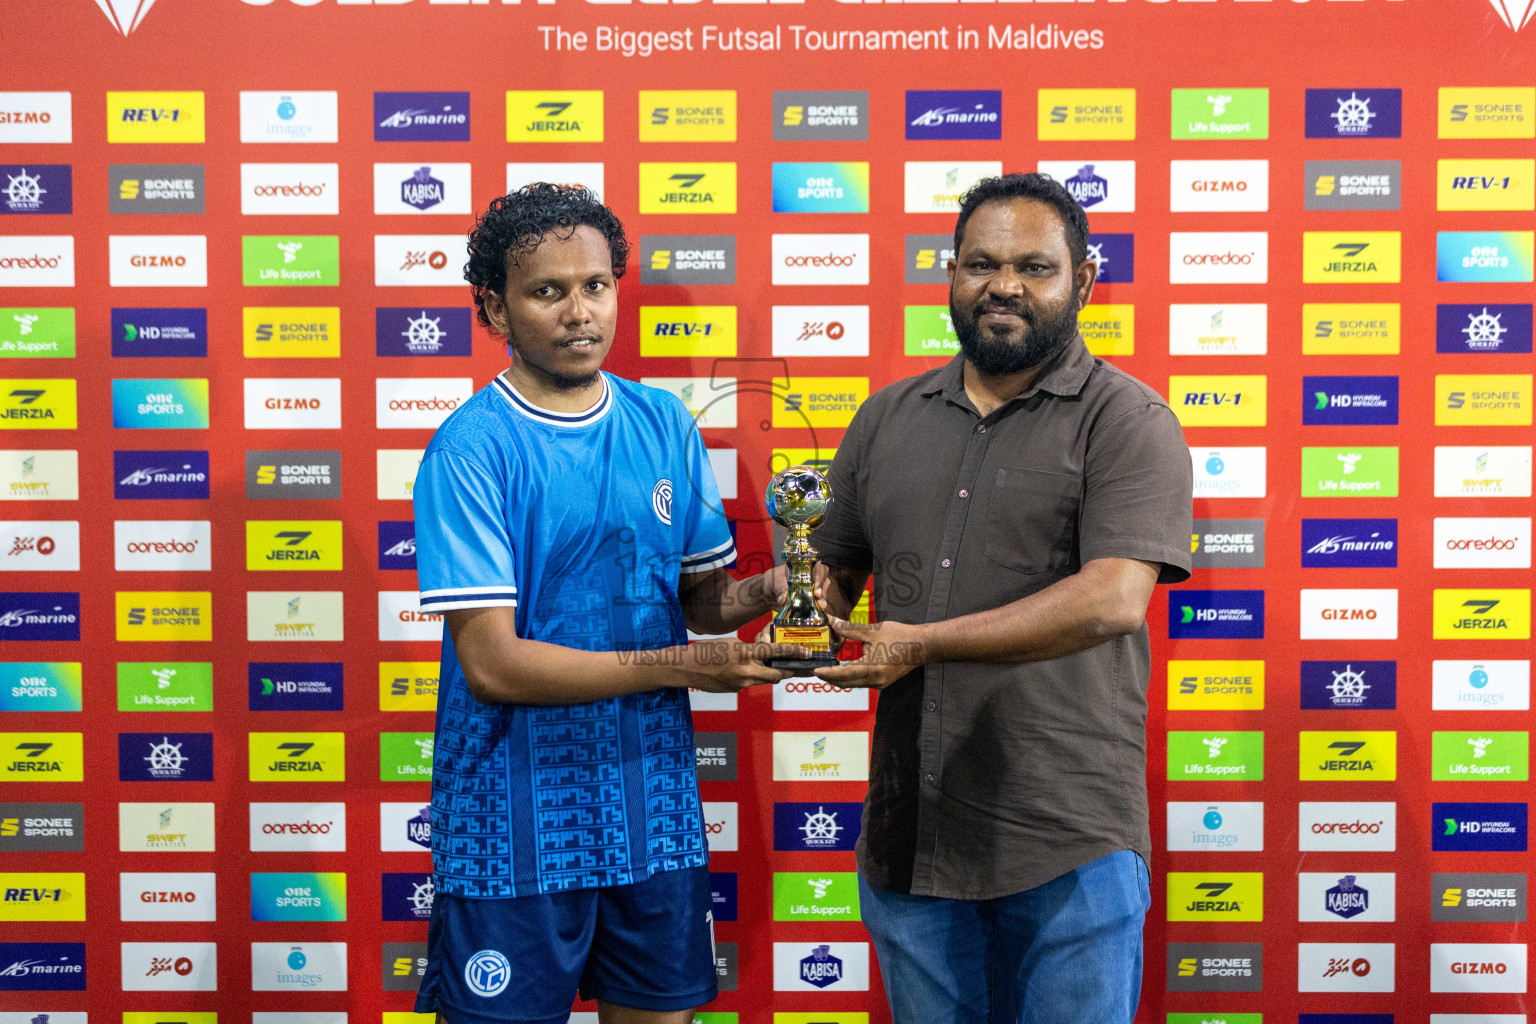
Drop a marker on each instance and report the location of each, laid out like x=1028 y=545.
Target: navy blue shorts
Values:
x=649 y=946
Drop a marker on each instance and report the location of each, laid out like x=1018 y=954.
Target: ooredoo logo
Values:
x=37 y=261
x=418 y=403
x=1211 y=257
x=162 y=546
x=298 y=827
x=820 y=259
x=1482 y=543
x=815 y=695
x=720 y=826
x=1347 y=826
x=277 y=189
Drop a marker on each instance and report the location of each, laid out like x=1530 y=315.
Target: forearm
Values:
x=719 y=604
x=1075 y=614
x=516 y=671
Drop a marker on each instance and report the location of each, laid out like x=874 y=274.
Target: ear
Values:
x=496 y=312
x=1083 y=279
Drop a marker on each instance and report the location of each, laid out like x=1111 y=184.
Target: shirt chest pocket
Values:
x=1031 y=522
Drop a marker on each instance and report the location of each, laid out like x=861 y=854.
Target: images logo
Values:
x=1215 y=685
x=689 y=331
x=553 y=115
x=1354 y=114
x=821 y=188
x=179 y=333
x=1348 y=472
x=1215 y=614
x=1483 y=399
x=826 y=116
x=1478 y=827
x=1229 y=472
x=288 y=117
x=307 y=260
x=1485 y=185
x=1489 y=113
x=1348 y=685
x=289 y=967
x=421 y=117
x=160 y=474
x=1352 y=756
x=1218 y=828
x=1482 y=614
x=39 y=616
x=1218 y=257
x=1359 y=256
x=1220 y=113
x=1216 y=756
x=44 y=188
x=1205 y=896
x=687 y=259
x=165 y=757
x=155 y=116
x=689 y=188
x=164 y=404
x=954 y=114
x=1108 y=114
x=1106 y=186
x=1478 y=685
x=1483 y=256
x=687 y=116
x=1218 y=401
x=935 y=186
x=1353 y=185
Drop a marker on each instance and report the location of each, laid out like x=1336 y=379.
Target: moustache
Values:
x=1016 y=309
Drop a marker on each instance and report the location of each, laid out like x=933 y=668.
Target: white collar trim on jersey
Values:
x=585 y=418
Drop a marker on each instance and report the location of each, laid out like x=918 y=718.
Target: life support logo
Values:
x=487 y=973
x=661 y=500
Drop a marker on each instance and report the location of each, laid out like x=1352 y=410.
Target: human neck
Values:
x=539 y=388
x=987 y=392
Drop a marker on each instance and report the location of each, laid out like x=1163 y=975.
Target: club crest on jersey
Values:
x=661 y=500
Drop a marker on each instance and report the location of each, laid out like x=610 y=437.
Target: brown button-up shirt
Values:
x=989 y=779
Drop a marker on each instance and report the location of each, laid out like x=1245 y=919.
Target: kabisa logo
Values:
x=1485 y=184
x=825 y=116
x=422 y=331
x=1348 y=685
x=1354 y=113
x=821 y=188
x=1348 y=401
x=295 y=686
x=1483 y=256
x=1352 y=256
x=555 y=116
x=688 y=115
x=821 y=968
x=818 y=826
x=421 y=117
x=164 y=757
x=1349 y=543
x=487 y=973
x=417 y=188
x=42 y=967
x=954 y=114
x=397 y=545
x=44 y=188
x=1087 y=187
x=407 y=897
x=155 y=117
x=688 y=188
x=1211 y=614
x=288 y=116
x=1483 y=327
x=160 y=474
x=180 y=333
x=39 y=616
x=687 y=259
x=1479 y=827
x=1353 y=185
x=1086 y=114
x=1352 y=756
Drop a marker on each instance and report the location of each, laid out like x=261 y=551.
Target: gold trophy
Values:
x=798 y=499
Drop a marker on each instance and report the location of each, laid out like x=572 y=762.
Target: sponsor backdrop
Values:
x=231 y=314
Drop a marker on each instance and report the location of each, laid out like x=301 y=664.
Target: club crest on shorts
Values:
x=661 y=500
x=487 y=973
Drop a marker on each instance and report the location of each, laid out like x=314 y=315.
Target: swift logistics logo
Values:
x=1348 y=756
x=1348 y=685
x=1215 y=685
x=159 y=333
x=1216 y=756
x=1103 y=114
x=184 y=615
x=1482 y=614
x=1483 y=399
x=290 y=260
x=841 y=116
x=39 y=615
x=160 y=474
x=1216 y=614
x=688 y=188
x=1220 y=113
x=160 y=404
x=554 y=115
x=1215 y=896
x=1353 y=185
x=1486 y=756
x=841 y=187
x=954 y=114
x=1354 y=113
x=37 y=332
x=421 y=117
x=1483 y=471
x=1330 y=257
x=697 y=115
x=292 y=545
x=1479 y=827
x=162 y=827
x=1349 y=401
x=165 y=756
x=285 y=615
x=823 y=755
x=1483 y=256
x=1219 y=401
x=295 y=686
x=936 y=186
x=155 y=188
x=155 y=117
x=297 y=757
x=36 y=188
x=422 y=331
x=1349 y=472
x=686 y=259
x=1490 y=112
x=39 y=475
x=1485 y=185
x=1489 y=327
x=1229 y=472
x=1225 y=329
x=1351 y=328
x=688 y=331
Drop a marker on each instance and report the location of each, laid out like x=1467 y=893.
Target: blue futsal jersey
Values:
x=582 y=522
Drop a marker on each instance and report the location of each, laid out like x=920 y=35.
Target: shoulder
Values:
x=660 y=408
x=477 y=431
x=1116 y=398
x=899 y=394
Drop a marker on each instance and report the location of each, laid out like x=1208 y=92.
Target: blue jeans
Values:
x=1065 y=951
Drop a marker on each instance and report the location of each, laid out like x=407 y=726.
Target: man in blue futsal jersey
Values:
x=569 y=529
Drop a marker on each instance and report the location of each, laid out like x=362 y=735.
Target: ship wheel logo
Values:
x=1354 y=115
x=422 y=334
x=24 y=191
x=1483 y=329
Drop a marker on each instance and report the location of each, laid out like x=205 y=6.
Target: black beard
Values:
x=996 y=358
x=561 y=382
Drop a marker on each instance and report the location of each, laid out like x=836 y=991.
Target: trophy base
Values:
x=817 y=638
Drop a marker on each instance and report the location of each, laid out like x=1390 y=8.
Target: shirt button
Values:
x=945 y=563
x=928 y=779
x=965 y=494
x=981 y=429
x=933 y=706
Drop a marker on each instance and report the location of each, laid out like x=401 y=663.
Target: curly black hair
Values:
x=1042 y=188
x=519 y=221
